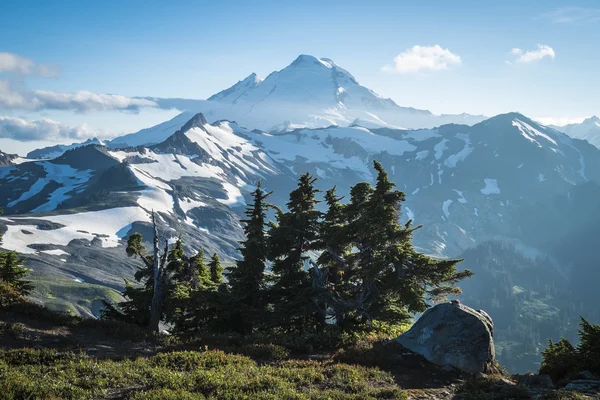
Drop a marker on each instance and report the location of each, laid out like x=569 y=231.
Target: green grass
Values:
x=46 y=374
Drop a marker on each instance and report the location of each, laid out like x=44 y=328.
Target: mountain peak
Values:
x=507 y=118
x=239 y=88
x=305 y=59
x=197 y=121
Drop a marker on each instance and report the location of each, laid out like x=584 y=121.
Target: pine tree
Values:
x=295 y=234
x=390 y=279
x=246 y=278
x=192 y=302
x=216 y=269
x=589 y=345
x=13 y=272
x=334 y=242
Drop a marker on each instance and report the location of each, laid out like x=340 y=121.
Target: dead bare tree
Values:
x=160 y=278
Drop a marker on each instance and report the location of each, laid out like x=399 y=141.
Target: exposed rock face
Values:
x=453 y=334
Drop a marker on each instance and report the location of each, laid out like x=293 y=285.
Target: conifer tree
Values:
x=193 y=303
x=334 y=242
x=390 y=278
x=246 y=278
x=13 y=272
x=295 y=234
x=216 y=269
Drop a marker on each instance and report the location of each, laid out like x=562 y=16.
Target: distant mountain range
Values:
x=588 y=130
x=505 y=179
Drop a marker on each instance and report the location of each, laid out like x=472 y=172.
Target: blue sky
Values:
x=193 y=49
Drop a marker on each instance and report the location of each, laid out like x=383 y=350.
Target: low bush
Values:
x=9 y=295
x=562 y=360
x=211 y=374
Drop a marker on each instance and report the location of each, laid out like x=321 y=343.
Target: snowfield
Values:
x=109 y=226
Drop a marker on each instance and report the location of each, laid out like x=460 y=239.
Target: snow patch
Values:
x=446 y=207
x=491 y=186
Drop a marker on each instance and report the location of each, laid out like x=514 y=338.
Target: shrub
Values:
x=559 y=360
x=9 y=295
x=265 y=352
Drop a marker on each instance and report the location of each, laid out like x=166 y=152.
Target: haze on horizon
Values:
x=72 y=71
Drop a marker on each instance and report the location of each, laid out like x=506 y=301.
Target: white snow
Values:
x=113 y=223
x=491 y=186
x=187 y=204
x=530 y=132
x=56 y=252
x=422 y=155
x=234 y=195
x=453 y=159
x=439 y=148
x=300 y=145
x=461 y=199
x=445 y=207
x=476 y=212
x=541 y=178
x=68 y=177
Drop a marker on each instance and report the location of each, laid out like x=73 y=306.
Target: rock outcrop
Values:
x=455 y=335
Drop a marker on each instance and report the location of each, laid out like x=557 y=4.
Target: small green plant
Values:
x=561 y=360
x=48 y=374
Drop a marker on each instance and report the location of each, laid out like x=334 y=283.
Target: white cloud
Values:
x=573 y=15
x=560 y=121
x=45 y=129
x=528 y=56
x=12 y=63
x=421 y=58
x=88 y=101
x=11 y=98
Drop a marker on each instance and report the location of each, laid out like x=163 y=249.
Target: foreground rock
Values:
x=452 y=334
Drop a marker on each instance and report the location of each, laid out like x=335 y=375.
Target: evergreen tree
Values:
x=194 y=298
x=246 y=278
x=295 y=234
x=216 y=269
x=13 y=272
x=333 y=240
x=390 y=278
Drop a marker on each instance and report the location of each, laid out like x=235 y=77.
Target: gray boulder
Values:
x=456 y=335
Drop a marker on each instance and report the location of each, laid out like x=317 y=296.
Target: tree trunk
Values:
x=156 y=306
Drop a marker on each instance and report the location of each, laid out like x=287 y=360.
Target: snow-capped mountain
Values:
x=466 y=184
x=60 y=149
x=588 y=130
x=311 y=92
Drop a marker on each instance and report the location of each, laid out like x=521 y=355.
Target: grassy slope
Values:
x=47 y=355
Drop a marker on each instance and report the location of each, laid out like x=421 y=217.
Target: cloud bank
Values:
x=423 y=58
x=14 y=95
x=81 y=101
x=45 y=129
